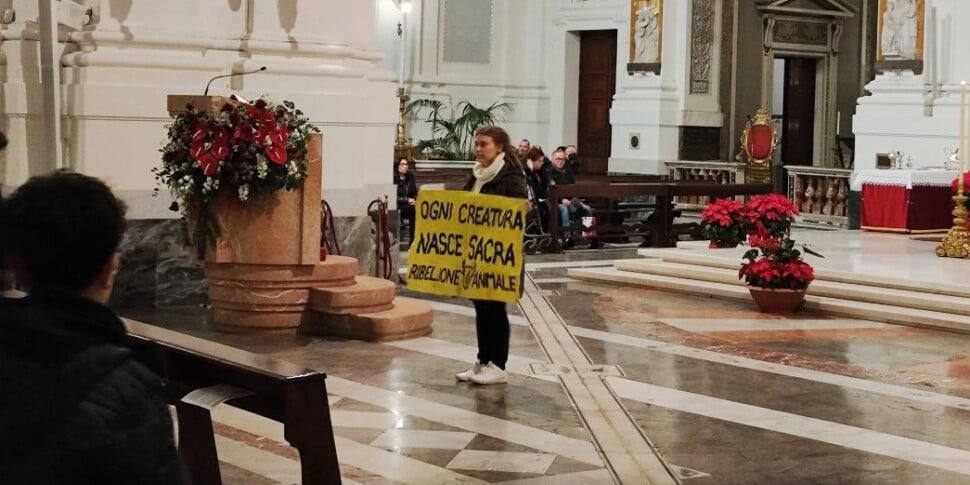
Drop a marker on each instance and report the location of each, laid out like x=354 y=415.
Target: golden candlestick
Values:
x=956 y=244
x=401 y=143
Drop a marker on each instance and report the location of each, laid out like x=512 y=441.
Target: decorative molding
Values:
x=796 y=32
x=467 y=50
x=702 y=39
x=822 y=8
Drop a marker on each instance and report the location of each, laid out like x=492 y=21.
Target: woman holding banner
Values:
x=497 y=172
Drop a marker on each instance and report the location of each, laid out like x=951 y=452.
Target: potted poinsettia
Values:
x=775 y=272
x=723 y=223
x=774 y=212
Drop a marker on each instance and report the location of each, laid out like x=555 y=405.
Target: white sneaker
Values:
x=490 y=374
x=466 y=376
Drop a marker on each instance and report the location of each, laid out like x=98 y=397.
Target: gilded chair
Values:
x=758 y=143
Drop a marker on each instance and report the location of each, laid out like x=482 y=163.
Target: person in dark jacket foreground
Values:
x=75 y=406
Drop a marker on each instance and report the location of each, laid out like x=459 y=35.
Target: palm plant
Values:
x=454 y=138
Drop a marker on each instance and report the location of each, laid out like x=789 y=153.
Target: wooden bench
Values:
x=281 y=391
x=659 y=229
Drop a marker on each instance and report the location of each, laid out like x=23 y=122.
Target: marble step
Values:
x=366 y=295
x=335 y=271
x=732 y=259
x=833 y=289
x=407 y=318
x=854 y=309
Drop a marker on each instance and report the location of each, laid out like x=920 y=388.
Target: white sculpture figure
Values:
x=905 y=12
x=646 y=35
x=890 y=31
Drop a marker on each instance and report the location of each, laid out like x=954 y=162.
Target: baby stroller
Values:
x=537 y=237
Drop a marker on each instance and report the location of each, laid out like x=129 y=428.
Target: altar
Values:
x=911 y=201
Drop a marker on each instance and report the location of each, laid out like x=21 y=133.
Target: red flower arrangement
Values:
x=242 y=151
x=774 y=212
x=723 y=223
x=774 y=263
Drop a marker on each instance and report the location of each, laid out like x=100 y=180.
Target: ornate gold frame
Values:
x=758 y=170
x=761 y=117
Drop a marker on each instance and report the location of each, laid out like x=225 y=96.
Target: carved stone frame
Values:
x=822 y=43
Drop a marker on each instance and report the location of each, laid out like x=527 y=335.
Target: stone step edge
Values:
x=345 y=299
x=701 y=258
x=853 y=309
x=852 y=291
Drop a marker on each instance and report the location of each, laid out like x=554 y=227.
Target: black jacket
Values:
x=406 y=189
x=75 y=407
x=539 y=181
x=561 y=177
x=510 y=182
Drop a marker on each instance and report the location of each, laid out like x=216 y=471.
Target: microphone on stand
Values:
x=206 y=93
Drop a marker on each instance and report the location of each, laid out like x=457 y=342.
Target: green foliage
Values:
x=453 y=138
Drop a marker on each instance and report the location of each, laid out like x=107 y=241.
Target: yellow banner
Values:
x=467 y=245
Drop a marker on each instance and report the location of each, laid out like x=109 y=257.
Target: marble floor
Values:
x=613 y=384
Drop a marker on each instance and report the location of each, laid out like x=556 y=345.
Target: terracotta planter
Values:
x=777 y=300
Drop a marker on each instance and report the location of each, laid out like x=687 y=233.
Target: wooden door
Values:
x=597 y=83
x=798 y=125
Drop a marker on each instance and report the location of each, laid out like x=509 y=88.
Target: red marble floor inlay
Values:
x=756 y=336
x=256 y=441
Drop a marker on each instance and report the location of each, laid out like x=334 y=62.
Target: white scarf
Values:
x=484 y=175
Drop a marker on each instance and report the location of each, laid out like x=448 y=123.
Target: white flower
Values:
x=262 y=167
x=243 y=192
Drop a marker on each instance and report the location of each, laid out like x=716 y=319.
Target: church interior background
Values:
x=629 y=364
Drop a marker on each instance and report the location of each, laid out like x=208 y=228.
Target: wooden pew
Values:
x=284 y=392
x=610 y=192
x=661 y=233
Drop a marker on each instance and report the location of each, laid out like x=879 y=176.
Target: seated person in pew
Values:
x=569 y=209
x=75 y=407
x=407 y=193
x=537 y=176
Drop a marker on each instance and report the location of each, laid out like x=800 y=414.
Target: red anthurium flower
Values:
x=200 y=131
x=276 y=144
x=210 y=153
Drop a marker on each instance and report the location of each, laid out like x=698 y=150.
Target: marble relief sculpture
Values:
x=899 y=29
x=646 y=35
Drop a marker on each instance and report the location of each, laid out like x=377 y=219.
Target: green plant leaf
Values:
x=808 y=250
